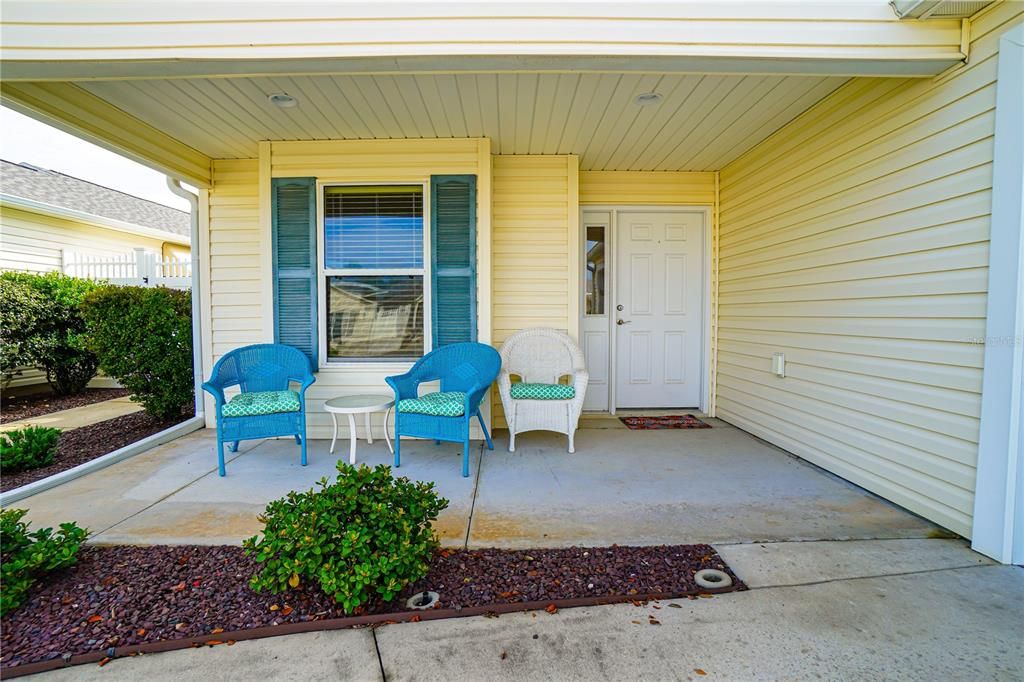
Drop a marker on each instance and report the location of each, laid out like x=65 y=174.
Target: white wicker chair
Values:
x=542 y=356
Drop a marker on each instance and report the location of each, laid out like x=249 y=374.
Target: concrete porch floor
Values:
x=718 y=485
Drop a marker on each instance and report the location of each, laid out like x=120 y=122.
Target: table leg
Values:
x=334 y=438
x=352 y=441
x=369 y=429
x=387 y=438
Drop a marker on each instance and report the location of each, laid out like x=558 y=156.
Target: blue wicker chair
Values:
x=267 y=407
x=465 y=371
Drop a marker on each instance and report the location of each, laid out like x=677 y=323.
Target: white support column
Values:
x=999 y=489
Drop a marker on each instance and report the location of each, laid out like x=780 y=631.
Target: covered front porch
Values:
x=719 y=485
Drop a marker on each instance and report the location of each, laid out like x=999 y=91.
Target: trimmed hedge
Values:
x=143 y=338
x=42 y=321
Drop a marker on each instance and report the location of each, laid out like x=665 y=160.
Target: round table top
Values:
x=359 y=403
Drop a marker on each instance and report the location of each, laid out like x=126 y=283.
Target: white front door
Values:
x=659 y=312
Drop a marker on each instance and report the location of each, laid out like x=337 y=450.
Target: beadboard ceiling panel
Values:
x=702 y=122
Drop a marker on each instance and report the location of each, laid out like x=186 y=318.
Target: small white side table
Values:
x=351 y=405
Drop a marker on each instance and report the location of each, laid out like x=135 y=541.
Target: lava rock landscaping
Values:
x=86 y=443
x=26 y=407
x=128 y=595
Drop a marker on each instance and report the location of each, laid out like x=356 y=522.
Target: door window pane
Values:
x=595 y=275
x=374 y=317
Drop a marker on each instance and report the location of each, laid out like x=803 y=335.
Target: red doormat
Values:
x=675 y=421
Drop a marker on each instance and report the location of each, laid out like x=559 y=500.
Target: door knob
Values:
x=622 y=322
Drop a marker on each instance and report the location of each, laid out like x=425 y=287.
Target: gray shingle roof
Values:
x=50 y=187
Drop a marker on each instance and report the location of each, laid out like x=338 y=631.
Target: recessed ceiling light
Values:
x=648 y=98
x=282 y=100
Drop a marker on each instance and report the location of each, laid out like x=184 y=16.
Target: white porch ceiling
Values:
x=703 y=122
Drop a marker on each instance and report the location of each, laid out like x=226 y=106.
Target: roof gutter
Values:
x=197 y=338
x=92 y=219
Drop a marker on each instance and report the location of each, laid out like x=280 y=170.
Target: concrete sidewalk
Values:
x=79 y=416
x=878 y=609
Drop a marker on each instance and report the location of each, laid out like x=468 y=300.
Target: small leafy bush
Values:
x=26 y=557
x=143 y=338
x=51 y=332
x=28 y=448
x=364 y=535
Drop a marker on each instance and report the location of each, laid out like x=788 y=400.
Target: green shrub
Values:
x=21 y=308
x=365 y=534
x=53 y=335
x=143 y=337
x=26 y=557
x=28 y=448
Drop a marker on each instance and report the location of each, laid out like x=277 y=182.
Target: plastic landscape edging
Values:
x=222 y=638
x=103 y=461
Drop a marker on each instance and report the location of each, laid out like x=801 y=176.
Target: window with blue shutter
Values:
x=453 y=251
x=293 y=211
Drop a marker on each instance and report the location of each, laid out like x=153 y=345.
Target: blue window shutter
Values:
x=453 y=258
x=293 y=211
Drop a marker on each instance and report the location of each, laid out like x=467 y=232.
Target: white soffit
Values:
x=701 y=123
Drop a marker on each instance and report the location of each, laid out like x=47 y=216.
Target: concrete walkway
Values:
x=876 y=609
x=718 y=485
x=79 y=416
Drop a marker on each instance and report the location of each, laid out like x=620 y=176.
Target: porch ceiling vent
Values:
x=937 y=9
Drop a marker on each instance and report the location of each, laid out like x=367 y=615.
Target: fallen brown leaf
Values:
x=699 y=671
x=231 y=642
x=179 y=587
x=504 y=655
x=216 y=631
x=213 y=642
x=140 y=632
x=286 y=610
x=675 y=606
x=275 y=607
x=551 y=608
x=415 y=619
x=104 y=661
x=94 y=619
x=653 y=621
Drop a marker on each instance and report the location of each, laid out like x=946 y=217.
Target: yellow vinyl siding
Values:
x=647 y=188
x=33 y=242
x=533 y=244
x=854 y=240
x=235 y=278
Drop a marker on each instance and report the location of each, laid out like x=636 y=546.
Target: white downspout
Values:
x=197 y=337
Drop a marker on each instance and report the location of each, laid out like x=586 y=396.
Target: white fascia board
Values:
x=44 y=208
x=998 y=524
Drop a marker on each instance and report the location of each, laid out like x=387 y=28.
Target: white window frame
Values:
x=323 y=273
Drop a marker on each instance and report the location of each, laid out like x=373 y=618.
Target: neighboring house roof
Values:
x=50 y=188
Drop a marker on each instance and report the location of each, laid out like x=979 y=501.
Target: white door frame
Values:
x=611 y=267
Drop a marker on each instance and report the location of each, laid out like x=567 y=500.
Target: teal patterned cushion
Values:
x=523 y=391
x=448 y=404
x=261 y=402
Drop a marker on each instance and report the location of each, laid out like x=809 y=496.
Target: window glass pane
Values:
x=375 y=317
x=594 y=299
x=373 y=227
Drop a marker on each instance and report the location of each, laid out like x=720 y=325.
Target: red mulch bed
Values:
x=126 y=595
x=25 y=407
x=77 y=446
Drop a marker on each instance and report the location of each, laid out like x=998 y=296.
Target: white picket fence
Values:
x=137 y=269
